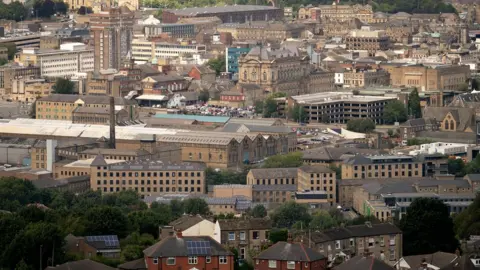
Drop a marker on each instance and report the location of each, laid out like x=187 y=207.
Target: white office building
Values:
x=69 y=60
x=145 y=51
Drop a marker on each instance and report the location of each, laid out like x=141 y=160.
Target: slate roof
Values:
x=274 y=173
x=174 y=246
x=284 y=251
x=438 y=259
x=99 y=160
x=463 y=116
x=315 y=169
x=186 y=221
x=473 y=177
x=458 y=183
x=82 y=265
x=354 y=231
x=245 y=224
x=234 y=127
x=134 y=265
x=362 y=262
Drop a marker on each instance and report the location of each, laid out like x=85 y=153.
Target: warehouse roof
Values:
x=221 y=9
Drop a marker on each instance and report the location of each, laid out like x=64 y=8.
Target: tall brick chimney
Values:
x=112 y=122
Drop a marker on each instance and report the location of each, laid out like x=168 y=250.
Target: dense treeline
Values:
x=33 y=218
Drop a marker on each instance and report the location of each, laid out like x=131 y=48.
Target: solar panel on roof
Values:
x=108 y=240
x=198 y=247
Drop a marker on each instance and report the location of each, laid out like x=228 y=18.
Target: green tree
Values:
x=11 y=50
x=63 y=86
x=164 y=212
x=362 y=125
x=456 y=167
x=135 y=239
x=290 y=160
x=146 y=222
x=322 y=221
x=475 y=83
x=132 y=252
x=204 y=96
x=289 y=213
x=214 y=177
x=259 y=211
x=299 y=114
x=425 y=221
x=22 y=266
x=28 y=242
x=414 y=107
x=259 y=107
x=106 y=220
x=277 y=235
x=394 y=111
x=467 y=223
x=217 y=64
x=196 y=206
x=270 y=108
x=176 y=207
x=463 y=87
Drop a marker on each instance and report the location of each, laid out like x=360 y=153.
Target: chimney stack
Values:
x=179 y=233
x=290 y=238
x=112 y=122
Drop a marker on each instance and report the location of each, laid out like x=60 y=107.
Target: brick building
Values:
x=184 y=252
x=289 y=255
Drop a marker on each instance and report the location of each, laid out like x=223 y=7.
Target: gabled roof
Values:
x=174 y=246
x=438 y=259
x=99 y=160
x=186 y=221
x=134 y=265
x=362 y=262
x=285 y=251
x=88 y=99
x=81 y=265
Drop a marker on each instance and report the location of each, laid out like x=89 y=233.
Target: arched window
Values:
x=199 y=155
x=452 y=125
x=245 y=75
x=254 y=75
x=264 y=76
x=446 y=125
x=273 y=76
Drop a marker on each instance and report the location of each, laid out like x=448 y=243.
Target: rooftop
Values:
x=220 y=9
x=86 y=163
x=285 y=251
x=157 y=165
x=329 y=97
x=274 y=173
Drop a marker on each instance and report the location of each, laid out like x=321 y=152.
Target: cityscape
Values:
x=240 y=135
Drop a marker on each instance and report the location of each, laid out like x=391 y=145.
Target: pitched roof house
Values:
x=289 y=255
x=184 y=252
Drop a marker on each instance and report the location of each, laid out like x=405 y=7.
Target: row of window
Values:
x=276 y=181
x=142 y=182
x=148 y=189
x=148 y=174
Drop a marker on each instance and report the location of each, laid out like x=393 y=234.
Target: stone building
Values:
x=346 y=12
x=62 y=107
x=370 y=41
x=428 y=77
x=364 y=78
x=263 y=30
x=263 y=71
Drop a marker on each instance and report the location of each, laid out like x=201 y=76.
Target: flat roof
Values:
x=220 y=9
x=329 y=97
